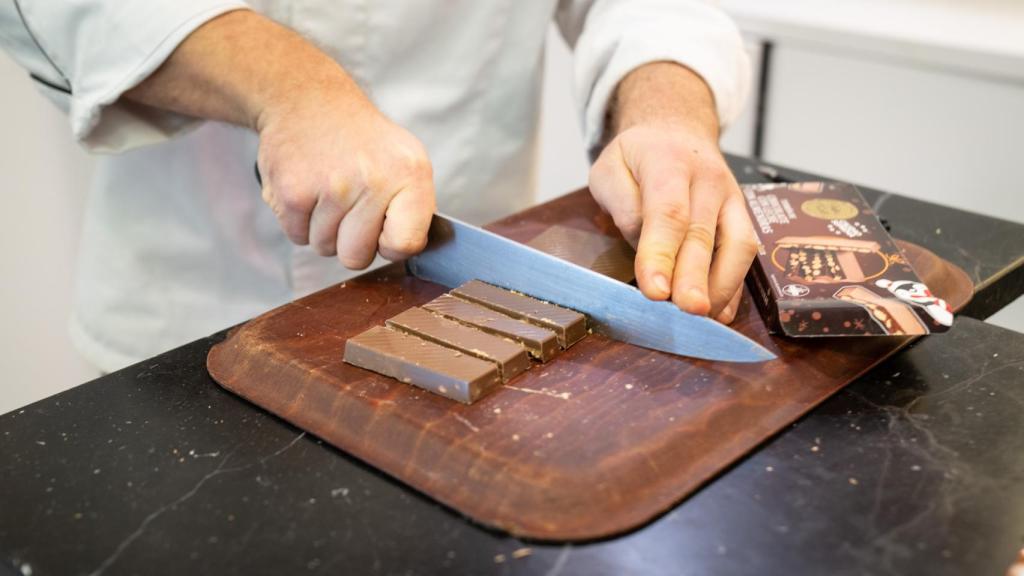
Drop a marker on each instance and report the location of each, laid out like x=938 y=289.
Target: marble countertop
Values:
x=914 y=468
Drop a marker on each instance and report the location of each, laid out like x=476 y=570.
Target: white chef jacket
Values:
x=176 y=240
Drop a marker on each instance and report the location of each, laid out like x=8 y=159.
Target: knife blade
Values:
x=457 y=252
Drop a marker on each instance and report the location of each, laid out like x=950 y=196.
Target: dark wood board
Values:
x=597 y=442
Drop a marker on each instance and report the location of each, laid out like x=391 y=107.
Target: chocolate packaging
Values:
x=826 y=266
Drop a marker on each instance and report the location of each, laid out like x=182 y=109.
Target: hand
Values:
x=673 y=197
x=345 y=179
x=336 y=172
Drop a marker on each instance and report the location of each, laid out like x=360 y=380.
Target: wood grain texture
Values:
x=601 y=440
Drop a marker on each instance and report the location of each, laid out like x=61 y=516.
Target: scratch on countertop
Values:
x=543 y=392
x=468 y=424
x=220 y=469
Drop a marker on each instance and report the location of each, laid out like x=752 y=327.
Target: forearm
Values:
x=663 y=92
x=241 y=67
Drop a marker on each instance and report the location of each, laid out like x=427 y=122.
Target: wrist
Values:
x=327 y=90
x=667 y=95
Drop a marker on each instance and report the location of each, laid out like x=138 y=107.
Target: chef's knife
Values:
x=457 y=252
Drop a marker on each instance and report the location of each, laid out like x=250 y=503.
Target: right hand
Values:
x=346 y=180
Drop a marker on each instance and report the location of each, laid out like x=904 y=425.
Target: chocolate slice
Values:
x=569 y=325
x=539 y=342
x=415 y=361
x=510 y=358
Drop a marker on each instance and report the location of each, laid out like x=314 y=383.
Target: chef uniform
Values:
x=177 y=242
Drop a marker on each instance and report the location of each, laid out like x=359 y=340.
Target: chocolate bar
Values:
x=570 y=326
x=539 y=342
x=895 y=317
x=421 y=363
x=510 y=357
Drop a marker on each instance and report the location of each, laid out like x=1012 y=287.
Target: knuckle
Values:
x=295 y=234
x=656 y=258
x=294 y=200
x=354 y=262
x=629 y=223
x=727 y=316
x=671 y=215
x=324 y=249
x=701 y=234
x=419 y=166
x=748 y=244
x=721 y=294
x=406 y=244
x=375 y=181
x=717 y=171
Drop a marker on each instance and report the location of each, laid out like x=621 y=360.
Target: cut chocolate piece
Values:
x=539 y=342
x=510 y=357
x=613 y=257
x=570 y=326
x=430 y=366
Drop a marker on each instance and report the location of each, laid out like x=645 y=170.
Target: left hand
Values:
x=673 y=197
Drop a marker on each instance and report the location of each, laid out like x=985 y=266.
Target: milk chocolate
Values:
x=510 y=357
x=569 y=325
x=421 y=363
x=539 y=342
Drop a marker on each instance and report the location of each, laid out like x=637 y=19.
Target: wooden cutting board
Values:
x=597 y=442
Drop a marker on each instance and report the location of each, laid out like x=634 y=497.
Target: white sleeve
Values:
x=84 y=54
x=610 y=38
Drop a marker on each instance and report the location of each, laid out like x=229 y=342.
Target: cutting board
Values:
x=597 y=442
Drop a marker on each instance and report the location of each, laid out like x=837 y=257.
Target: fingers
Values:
x=293 y=205
x=693 y=263
x=614 y=189
x=407 y=221
x=357 y=234
x=326 y=218
x=736 y=250
x=666 y=212
x=728 y=313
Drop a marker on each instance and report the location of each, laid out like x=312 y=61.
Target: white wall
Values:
x=45 y=177
x=563 y=164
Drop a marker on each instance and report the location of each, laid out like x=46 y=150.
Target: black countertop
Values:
x=914 y=468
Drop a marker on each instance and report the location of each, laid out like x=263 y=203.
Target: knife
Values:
x=457 y=252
